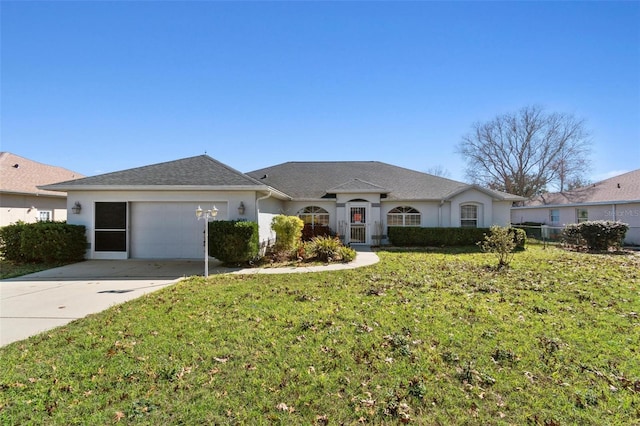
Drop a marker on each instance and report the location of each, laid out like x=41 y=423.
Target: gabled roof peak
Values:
x=201 y=170
x=356 y=185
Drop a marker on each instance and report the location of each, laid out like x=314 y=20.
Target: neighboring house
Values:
x=617 y=198
x=20 y=198
x=149 y=212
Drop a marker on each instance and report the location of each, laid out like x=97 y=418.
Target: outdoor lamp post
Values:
x=206 y=214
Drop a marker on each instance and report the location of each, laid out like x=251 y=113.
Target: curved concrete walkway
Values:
x=44 y=300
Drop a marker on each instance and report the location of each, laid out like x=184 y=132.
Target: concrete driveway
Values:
x=44 y=300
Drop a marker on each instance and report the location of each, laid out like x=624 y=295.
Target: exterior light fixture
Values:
x=77 y=208
x=241 y=209
x=206 y=214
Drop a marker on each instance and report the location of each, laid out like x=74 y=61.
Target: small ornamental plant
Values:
x=329 y=249
x=503 y=242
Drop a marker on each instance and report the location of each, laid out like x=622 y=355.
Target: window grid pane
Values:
x=314 y=215
x=322 y=219
x=404 y=216
x=468 y=212
x=412 y=220
x=394 y=220
x=469 y=216
x=582 y=215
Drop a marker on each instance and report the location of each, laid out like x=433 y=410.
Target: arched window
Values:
x=314 y=215
x=403 y=216
x=469 y=216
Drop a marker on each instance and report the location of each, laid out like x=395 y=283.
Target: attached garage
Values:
x=149 y=212
x=161 y=230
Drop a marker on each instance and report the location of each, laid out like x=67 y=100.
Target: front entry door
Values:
x=358 y=224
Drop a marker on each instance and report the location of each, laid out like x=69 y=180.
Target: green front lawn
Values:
x=434 y=338
x=9 y=269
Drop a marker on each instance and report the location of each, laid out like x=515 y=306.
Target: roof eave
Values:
x=36 y=194
x=495 y=196
x=71 y=188
x=358 y=191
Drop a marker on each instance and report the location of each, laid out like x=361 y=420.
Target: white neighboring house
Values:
x=20 y=197
x=616 y=198
x=149 y=212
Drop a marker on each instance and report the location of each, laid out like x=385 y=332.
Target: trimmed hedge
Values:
x=435 y=237
x=444 y=237
x=596 y=234
x=233 y=241
x=43 y=242
x=10 y=241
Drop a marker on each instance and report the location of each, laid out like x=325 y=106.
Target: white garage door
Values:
x=166 y=231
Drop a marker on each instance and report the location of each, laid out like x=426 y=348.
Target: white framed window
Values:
x=469 y=216
x=314 y=215
x=404 y=216
x=582 y=215
x=45 y=215
x=554 y=215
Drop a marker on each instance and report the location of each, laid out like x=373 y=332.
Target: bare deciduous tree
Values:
x=439 y=171
x=524 y=153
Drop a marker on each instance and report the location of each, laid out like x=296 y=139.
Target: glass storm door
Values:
x=358 y=225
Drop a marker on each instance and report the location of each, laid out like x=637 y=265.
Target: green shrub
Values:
x=346 y=254
x=571 y=235
x=324 y=249
x=596 y=234
x=328 y=249
x=288 y=231
x=519 y=237
x=233 y=242
x=435 y=237
x=43 y=242
x=10 y=241
x=502 y=242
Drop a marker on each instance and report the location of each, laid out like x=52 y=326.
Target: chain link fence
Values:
x=553 y=234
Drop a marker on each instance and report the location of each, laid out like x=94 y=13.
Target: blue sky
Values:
x=104 y=86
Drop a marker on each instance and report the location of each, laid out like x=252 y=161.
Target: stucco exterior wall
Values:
x=226 y=202
x=477 y=198
x=18 y=207
x=268 y=208
x=502 y=213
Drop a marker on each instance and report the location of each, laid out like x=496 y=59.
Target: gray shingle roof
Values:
x=625 y=187
x=357 y=185
x=313 y=180
x=196 y=171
